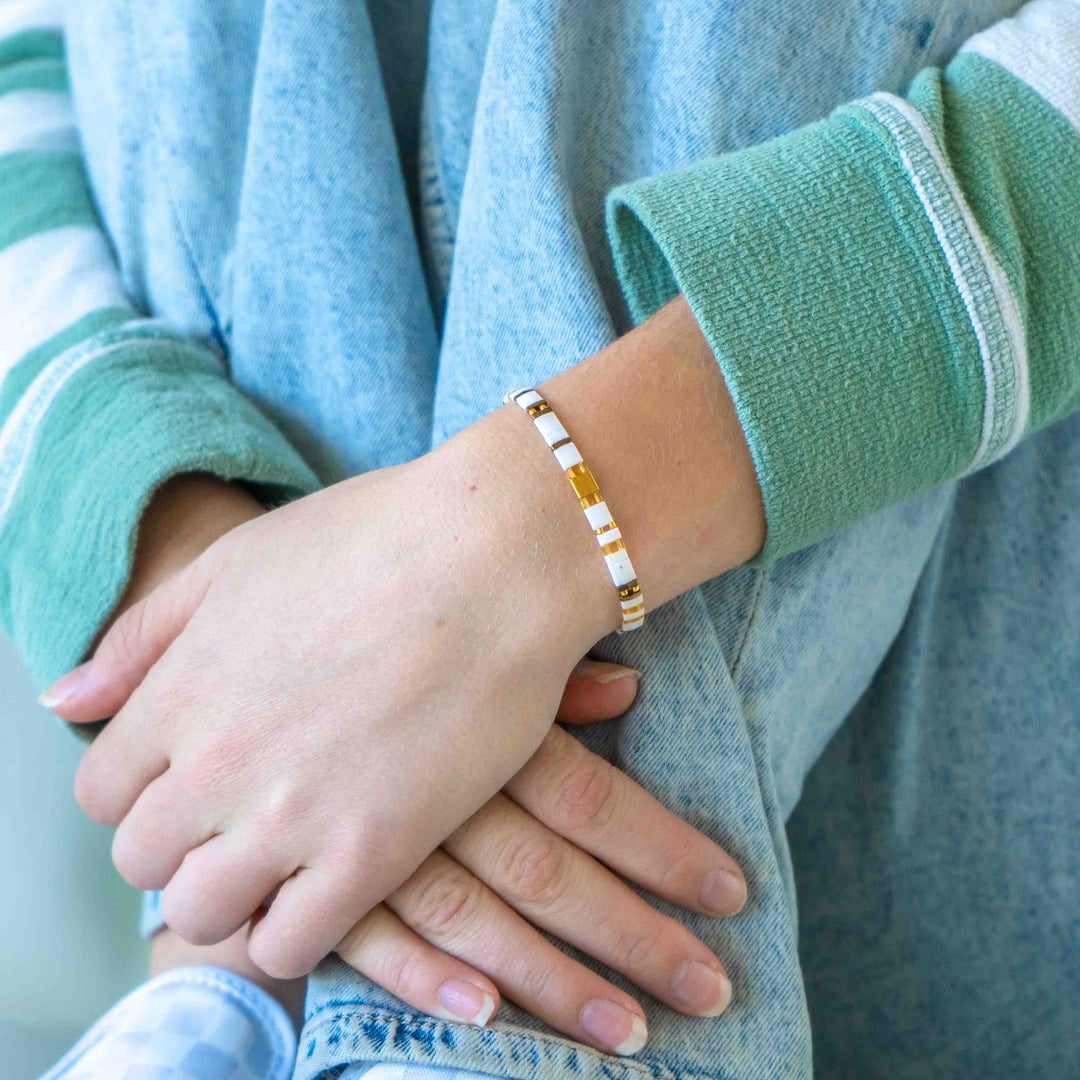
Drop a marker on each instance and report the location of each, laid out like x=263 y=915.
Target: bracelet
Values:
x=592 y=502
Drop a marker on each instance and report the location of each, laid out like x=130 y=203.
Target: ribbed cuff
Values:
x=80 y=459
x=817 y=280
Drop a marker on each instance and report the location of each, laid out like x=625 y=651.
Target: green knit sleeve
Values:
x=98 y=406
x=892 y=293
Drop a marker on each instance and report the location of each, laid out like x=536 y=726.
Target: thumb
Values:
x=98 y=688
x=597 y=691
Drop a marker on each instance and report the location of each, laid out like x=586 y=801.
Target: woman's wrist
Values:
x=653 y=419
x=524 y=534
x=182 y=519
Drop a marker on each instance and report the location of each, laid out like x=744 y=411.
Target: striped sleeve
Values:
x=98 y=406
x=893 y=292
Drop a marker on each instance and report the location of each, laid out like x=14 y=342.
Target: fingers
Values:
x=451 y=909
x=156 y=834
x=592 y=804
x=98 y=688
x=312 y=911
x=217 y=888
x=384 y=949
x=564 y=891
x=597 y=691
x=115 y=769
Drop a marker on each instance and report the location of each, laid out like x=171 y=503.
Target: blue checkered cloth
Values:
x=387 y=1071
x=188 y=1023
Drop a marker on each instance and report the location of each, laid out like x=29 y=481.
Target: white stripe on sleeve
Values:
x=48 y=281
x=1040 y=46
x=19 y=15
x=37 y=120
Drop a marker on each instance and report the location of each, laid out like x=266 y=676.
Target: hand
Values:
x=419 y=946
x=416 y=641
x=434 y=936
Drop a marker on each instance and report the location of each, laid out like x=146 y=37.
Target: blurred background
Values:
x=69 y=945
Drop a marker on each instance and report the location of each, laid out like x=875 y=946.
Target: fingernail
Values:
x=66 y=686
x=467 y=1002
x=702 y=989
x=594 y=671
x=623 y=1031
x=723 y=891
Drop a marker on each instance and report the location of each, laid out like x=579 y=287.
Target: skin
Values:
x=184 y=517
x=466 y=586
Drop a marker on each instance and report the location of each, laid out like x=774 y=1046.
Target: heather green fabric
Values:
x=102 y=410
x=149 y=407
x=818 y=279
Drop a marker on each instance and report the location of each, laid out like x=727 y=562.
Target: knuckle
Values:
x=93 y=795
x=351 y=857
x=584 y=796
x=447 y=903
x=536 y=983
x=534 y=869
x=404 y=973
x=272 y=955
x=191 y=902
x=130 y=860
x=171 y=694
x=182 y=910
x=638 y=949
x=676 y=868
x=213 y=761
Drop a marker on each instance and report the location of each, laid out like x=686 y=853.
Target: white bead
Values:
x=568 y=455
x=527 y=398
x=598 y=515
x=618 y=563
x=620 y=568
x=548 y=425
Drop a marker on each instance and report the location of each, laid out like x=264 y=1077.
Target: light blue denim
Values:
x=387 y=215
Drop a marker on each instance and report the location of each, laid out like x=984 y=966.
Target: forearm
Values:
x=892 y=292
x=183 y=518
x=653 y=420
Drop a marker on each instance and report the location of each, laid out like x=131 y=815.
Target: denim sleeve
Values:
x=893 y=292
x=97 y=405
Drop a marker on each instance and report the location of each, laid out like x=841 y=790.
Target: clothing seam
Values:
x=1002 y=351
x=757 y=589
x=241 y=994
x=606 y=1064
x=185 y=240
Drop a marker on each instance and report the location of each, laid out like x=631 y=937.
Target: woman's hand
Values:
x=460 y=930
x=313 y=705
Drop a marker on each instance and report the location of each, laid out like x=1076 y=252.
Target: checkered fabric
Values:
x=188 y=1023
x=387 y=1071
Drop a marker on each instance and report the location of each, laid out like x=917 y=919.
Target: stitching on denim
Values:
x=600 y=1066
x=755 y=598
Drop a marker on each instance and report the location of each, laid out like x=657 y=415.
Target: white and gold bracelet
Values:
x=592 y=502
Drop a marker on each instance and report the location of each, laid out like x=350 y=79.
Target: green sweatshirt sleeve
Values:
x=97 y=406
x=892 y=293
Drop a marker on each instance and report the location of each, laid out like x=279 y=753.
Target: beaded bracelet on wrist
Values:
x=612 y=546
